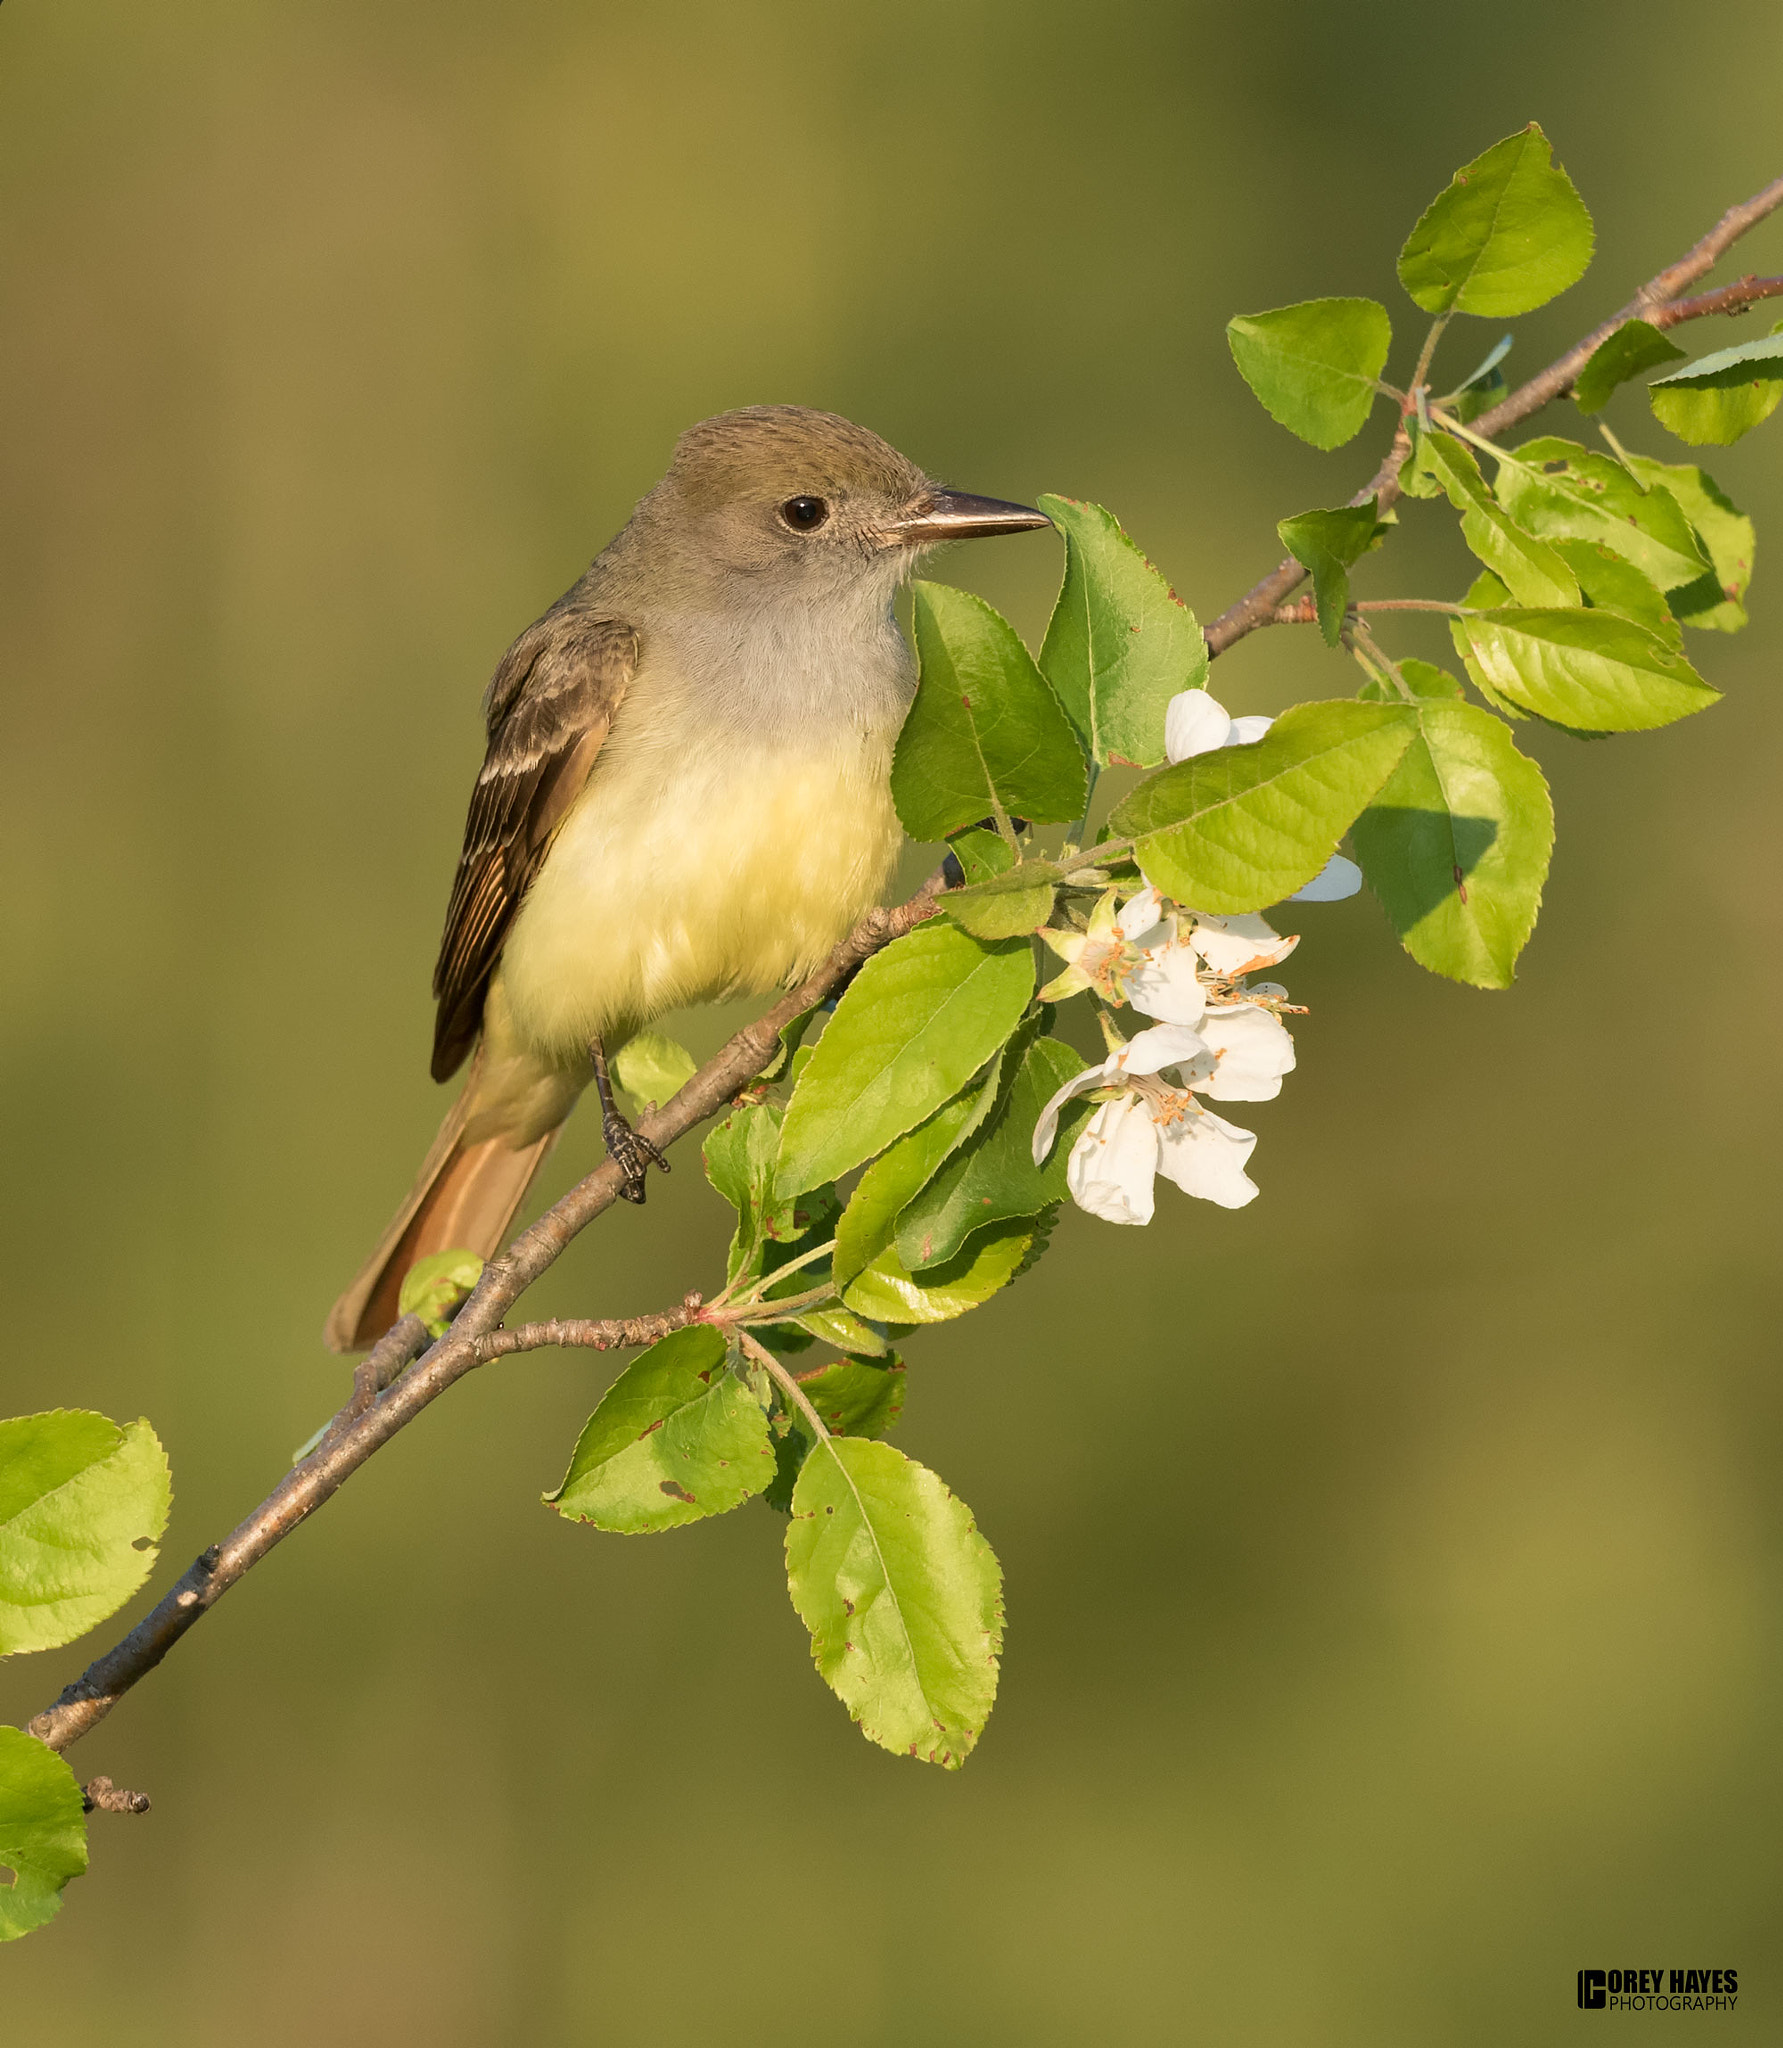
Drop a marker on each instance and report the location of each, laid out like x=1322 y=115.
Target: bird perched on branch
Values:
x=686 y=797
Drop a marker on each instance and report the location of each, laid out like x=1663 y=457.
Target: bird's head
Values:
x=806 y=502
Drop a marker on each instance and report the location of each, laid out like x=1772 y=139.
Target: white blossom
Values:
x=1149 y=1127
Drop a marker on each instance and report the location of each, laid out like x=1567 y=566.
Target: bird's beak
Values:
x=956 y=515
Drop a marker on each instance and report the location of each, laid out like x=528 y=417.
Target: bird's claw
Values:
x=632 y=1153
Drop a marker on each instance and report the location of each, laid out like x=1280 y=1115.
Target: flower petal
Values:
x=1079 y=1084
x=1167 y=985
x=1195 y=722
x=1206 y=1156
x=1112 y=1163
x=1247 y=731
x=1238 y=945
x=1140 y=916
x=1337 y=879
x=1163 y=1045
x=1253 y=1050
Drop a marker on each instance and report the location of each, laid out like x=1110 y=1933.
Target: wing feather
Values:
x=549 y=708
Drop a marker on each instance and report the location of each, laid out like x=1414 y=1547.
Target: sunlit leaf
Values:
x=917 y=1022
x=1728 y=536
x=1456 y=844
x=1591 y=670
x=651 y=1068
x=902 y=1596
x=980 y=852
x=1120 y=643
x=1422 y=678
x=1327 y=543
x=741 y=1154
x=1244 y=827
x=1614 y=584
x=1005 y=905
x=43 y=1831
x=1529 y=568
x=1632 y=348
x=900 y=1174
x=83 y=1503
x=1508 y=233
x=1314 y=366
x=676 y=1437
x=435 y=1286
x=888 y=1292
x=1562 y=491
x=1717 y=398
x=985 y=730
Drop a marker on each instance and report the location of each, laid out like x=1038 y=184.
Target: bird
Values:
x=685 y=797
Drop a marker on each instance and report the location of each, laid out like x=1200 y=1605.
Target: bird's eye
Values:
x=804 y=515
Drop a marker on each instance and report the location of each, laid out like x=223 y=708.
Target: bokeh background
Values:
x=1392 y=1566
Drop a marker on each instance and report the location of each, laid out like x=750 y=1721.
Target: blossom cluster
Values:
x=1218 y=1036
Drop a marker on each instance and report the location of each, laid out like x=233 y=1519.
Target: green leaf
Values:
x=900 y=1174
x=43 y=1831
x=1591 y=670
x=83 y=1503
x=651 y=1068
x=1422 y=678
x=985 y=732
x=1120 y=642
x=1718 y=416
x=1244 y=827
x=792 y=1037
x=992 y=1178
x=1327 y=543
x=1456 y=845
x=1006 y=905
x=1508 y=233
x=740 y=1160
x=676 y=1437
x=1615 y=585
x=902 y=1596
x=1717 y=398
x=1624 y=354
x=1529 y=568
x=435 y=1287
x=843 y=1329
x=1484 y=388
x=917 y=1022
x=888 y=1292
x=1314 y=366
x=1561 y=491
x=853 y=1397
x=1726 y=534
x=981 y=852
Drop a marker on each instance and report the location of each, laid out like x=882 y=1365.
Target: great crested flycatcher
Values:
x=685 y=797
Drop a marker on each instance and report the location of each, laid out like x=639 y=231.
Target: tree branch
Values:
x=1657 y=301
x=375 y=1413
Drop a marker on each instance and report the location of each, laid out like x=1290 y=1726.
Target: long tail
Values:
x=464 y=1198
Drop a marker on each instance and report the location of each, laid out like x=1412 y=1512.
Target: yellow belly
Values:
x=733 y=877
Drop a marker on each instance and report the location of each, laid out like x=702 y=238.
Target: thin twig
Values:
x=1657 y=301
x=82 y=1705
x=1734 y=299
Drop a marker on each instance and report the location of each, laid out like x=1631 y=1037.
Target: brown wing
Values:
x=548 y=709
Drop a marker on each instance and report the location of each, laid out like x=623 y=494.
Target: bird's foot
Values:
x=631 y=1152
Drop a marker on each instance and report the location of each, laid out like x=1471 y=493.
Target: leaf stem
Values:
x=788 y=1385
x=1428 y=352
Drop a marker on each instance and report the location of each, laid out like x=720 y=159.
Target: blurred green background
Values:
x=1392 y=1566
